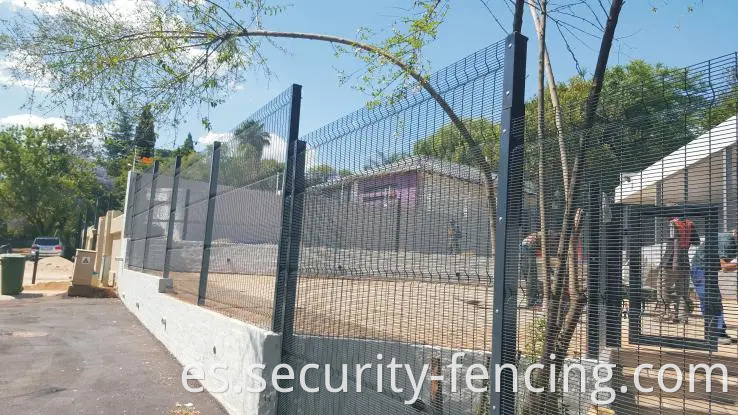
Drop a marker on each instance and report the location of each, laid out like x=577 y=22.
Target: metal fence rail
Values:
x=642 y=281
x=210 y=221
x=395 y=256
x=385 y=236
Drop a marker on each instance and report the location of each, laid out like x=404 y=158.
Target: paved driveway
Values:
x=86 y=356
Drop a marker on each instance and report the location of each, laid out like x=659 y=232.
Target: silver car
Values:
x=47 y=246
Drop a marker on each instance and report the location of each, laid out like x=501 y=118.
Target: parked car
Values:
x=47 y=246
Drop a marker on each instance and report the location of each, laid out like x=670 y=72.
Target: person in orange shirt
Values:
x=675 y=268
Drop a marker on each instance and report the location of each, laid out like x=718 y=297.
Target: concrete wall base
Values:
x=196 y=335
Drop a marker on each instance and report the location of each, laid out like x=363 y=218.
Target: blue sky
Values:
x=670 y=35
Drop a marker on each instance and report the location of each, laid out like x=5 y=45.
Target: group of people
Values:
x=676 y=272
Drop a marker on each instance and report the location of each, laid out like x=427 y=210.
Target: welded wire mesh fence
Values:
x=248 y=214
x=638 y=247
x=138 y=218
x=396 y=250
x=401 y=232
x=221 y=246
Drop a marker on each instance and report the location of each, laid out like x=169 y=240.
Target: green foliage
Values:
x=271 y=167
x=177 y=54
x=448 y=144
x=251 y=133
x=188 y=146
x=145 y=137
x=43 y=180
x=533 y=347
x=646 y=111
x=120 y=142
x=319 y=174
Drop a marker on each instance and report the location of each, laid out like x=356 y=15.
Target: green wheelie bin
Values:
x=12 y=267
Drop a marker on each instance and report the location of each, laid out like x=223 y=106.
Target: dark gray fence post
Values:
x=291 y=226
x=186 y=216
x=172 y=215
x=129 y=219
x=509 y=203
x=150 y=217
x=131 y=206
x=295 y=230
x=285 y=291
x=208 y=239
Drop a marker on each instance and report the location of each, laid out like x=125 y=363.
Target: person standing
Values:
x=454 y=236
x=699 y=281
x=528 y=252
x=676 y=268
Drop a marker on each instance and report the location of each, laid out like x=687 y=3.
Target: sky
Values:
x=652 y=30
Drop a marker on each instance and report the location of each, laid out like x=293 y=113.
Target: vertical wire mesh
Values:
x=248 y=213
x=139 y=220
x=395 y=255
x=156 y=234
x=185 y=255
x=657 y=204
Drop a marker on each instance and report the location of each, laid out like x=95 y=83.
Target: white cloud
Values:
x=120 y=8
x=9 y=64
x=32 y=120
x=276 y=149
x=211 y=137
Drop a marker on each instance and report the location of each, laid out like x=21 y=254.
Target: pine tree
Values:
x=120 y=142
x=188 y=146
x=145 y=138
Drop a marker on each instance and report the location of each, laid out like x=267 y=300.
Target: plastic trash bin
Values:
x=12 y=268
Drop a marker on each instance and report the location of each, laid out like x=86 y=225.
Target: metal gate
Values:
x=649 y=321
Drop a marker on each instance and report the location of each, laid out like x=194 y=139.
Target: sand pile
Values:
x=50 y=269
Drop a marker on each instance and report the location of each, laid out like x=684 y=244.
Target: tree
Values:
x=319 y=174
x=43 y=181
x=120 y=142
x=251 y=133
x=446 y=143
x=564 y=294
x=271 y=167
x=188 y=146
x=96 y=55
x=145 y=138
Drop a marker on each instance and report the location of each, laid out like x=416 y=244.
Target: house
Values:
x=407 y=205
x=701 y=172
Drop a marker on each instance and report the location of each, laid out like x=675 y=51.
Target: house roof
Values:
x=430 y=165
x=635 y=188
x=425 y=164
x=416 y=163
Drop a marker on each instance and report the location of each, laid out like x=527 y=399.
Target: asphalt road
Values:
x=86 y=356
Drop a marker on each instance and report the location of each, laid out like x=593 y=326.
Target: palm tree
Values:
x=251 y=133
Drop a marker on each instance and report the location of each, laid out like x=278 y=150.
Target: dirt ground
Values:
x=49 y=269
x=453 y=315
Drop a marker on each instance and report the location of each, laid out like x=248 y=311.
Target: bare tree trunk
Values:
x=554 y=95
x=567 y=297
x=541 y=29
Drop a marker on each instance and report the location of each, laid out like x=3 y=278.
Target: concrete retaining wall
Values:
x=195 y=335
x=337 y=351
